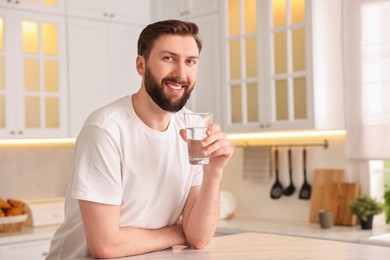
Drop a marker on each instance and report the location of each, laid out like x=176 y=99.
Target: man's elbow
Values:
x=199 y=243
x=101 y=251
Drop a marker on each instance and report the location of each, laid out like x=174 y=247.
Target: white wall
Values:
x=253 y=199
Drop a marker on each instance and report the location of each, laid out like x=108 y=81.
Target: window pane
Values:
x=31 y=74
x=32 y=112
x=50 y=71
x=234 y=17
x=300 y=106
x=298 y=11
x=1 y=33
x=49 y=39
x=52 y=113
x=2 y=112
x=236 y=104
x=298 y=38
x=252 y=103
x=280 y=52
x=250 y=16
x=279 y=12
x=51 y=2
x=281 y=100
x=251 y=57
x=2 y=73
x=235 y=60
x=30 y=36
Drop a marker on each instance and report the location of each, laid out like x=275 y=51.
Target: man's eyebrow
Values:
x=177 y=55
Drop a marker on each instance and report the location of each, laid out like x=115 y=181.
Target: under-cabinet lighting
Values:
x=54 y=141
x=287 y=137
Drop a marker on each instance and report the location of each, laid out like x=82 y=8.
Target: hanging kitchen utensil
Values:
x=277 y=188
x=305 y=191
x=291 y=188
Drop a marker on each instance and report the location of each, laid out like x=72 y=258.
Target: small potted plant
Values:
x=365 y=207
x=387 y=205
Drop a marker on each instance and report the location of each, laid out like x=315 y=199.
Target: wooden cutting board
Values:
x=336 y=197
x=320 y=178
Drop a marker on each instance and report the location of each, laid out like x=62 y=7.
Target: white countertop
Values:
x=266 y=246
x=27 y=234
x=299 y=228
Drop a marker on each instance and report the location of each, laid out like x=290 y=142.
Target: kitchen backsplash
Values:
x=43 y=171
x=34 y=171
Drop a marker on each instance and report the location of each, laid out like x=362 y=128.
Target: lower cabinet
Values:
x=33 y=250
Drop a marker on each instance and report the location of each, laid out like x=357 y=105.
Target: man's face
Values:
x=170 y=71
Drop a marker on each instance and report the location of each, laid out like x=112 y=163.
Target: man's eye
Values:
x=168 y=58
x=192 y=62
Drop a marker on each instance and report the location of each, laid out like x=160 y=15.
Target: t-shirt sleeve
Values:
x=97 y=168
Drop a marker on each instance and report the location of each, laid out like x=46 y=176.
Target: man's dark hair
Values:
x=176 y=27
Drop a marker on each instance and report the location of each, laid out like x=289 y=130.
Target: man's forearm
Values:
x=201 y=223
x=133 y=241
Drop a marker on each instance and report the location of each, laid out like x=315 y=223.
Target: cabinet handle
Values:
x=17 y=2
x=12 y=132
x=111 y=15
x=20 y=132
x=9 y=1
x=105 y=14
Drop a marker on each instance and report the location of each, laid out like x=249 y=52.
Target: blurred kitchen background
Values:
x=277 y=74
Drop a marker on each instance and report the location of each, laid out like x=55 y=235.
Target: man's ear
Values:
x=140 y=65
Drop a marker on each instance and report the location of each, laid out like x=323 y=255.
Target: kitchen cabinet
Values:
x=101 y=65
x=31 y=250
x=135 y=11
x=33 y=80
x=283 y=65
x=42 y=6
x=177 y=9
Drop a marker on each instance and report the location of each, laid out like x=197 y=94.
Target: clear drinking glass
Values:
x=196 y=125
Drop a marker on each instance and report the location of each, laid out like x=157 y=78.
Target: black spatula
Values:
x=277 y=188
x=291 y=188
x=305 y=191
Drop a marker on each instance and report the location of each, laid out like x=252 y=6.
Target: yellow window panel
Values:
x=1 y=33
x=49 y=2
x=251 y=57
x=300 y=106
x=52 y=113
x=281 y=94
x=234 y=17
x=50 y=39
x=2 y=73
x=50 y=71
x=298 y=48
x=2 y=112
x=30 y=36
x=32 y=112
x=31 y=74
x=298 y=11
x=235 y=94
x=253 y=102
x=250 y=15
x=279 y=13
x=280 y=52
x=235 y=60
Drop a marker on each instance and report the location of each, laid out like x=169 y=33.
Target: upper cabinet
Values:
x=177 y=9
x=46 y=6
x=102 y=39
x=33 y=85
x=283 y=65
x=135 y=12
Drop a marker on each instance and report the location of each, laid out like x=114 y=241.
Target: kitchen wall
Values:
x=34 y=171
x=38 y=171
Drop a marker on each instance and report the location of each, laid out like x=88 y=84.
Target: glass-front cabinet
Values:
x=33 y=95
x=269 y=72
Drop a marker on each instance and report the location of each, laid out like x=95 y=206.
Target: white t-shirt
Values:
x=121 y=161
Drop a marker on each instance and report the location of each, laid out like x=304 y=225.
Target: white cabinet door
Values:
x=102 y=65
x=180 y=9
x=206 y=96
x=47 y=6
x=34 y=250
x=134 y=11
x=35 y=80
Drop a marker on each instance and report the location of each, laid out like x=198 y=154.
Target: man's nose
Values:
x=180 y=70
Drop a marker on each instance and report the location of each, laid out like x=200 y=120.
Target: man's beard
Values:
x=155 y=91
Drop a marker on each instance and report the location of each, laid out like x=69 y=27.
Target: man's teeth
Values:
x=174 y=86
